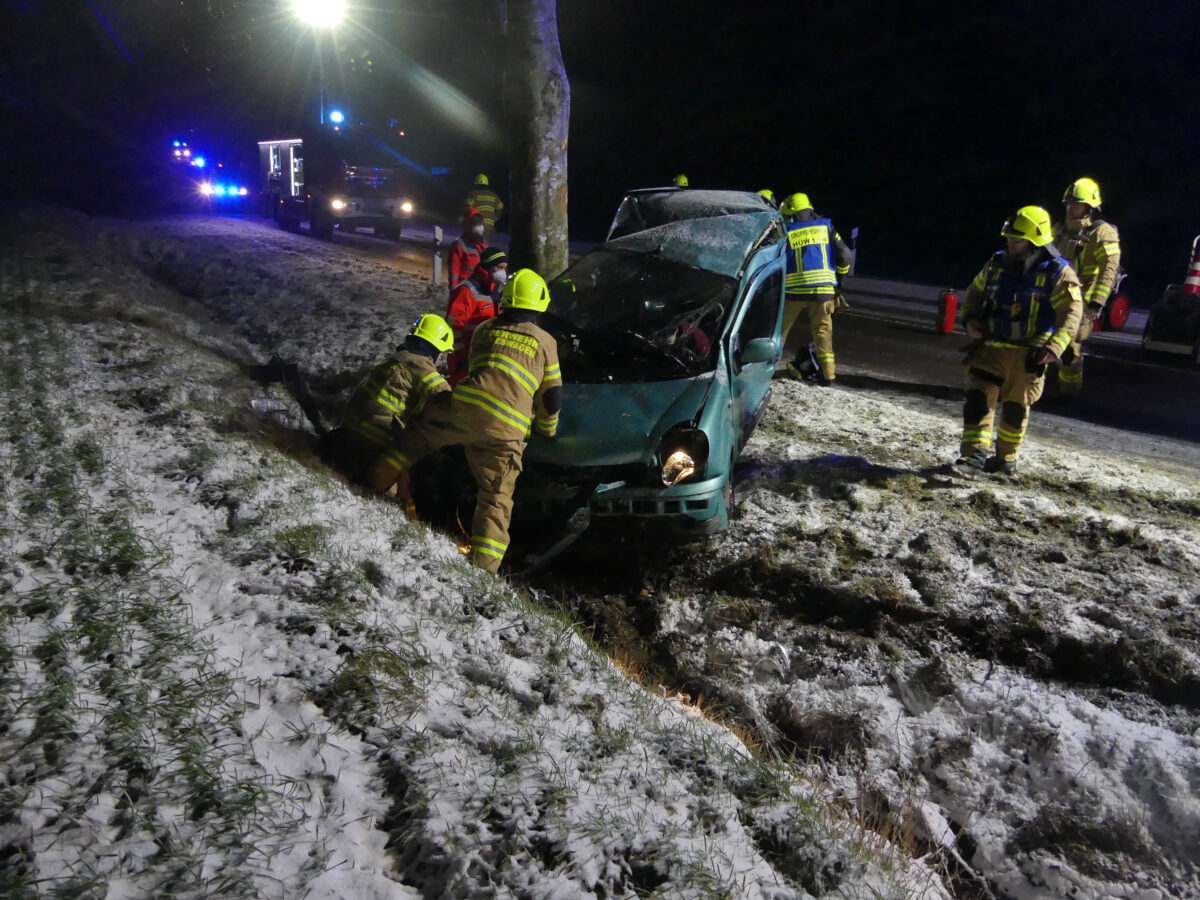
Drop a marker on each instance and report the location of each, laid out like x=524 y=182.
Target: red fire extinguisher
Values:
x=947 y=311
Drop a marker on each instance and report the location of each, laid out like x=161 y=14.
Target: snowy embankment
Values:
x=225 y=674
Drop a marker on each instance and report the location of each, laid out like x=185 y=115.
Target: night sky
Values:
x=925 y=124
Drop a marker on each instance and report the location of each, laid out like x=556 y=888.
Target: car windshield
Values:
x=629 y=315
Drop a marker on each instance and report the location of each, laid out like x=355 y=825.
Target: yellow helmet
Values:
x=681 y=181
x=526 y=290
x=481 y=179
x=794 y=203
x=1031 y=223
x=1084 y=190
x=434 y=329
x=767 y=194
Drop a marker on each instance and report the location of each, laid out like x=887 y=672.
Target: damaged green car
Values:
x=668 y=334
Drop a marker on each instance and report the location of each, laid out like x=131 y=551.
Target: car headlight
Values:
x=339 y=205
x=406 y=207
x=682 y=454
x=679 y=465
x=206 y=189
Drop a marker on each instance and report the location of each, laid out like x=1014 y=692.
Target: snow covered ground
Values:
x=224 y=673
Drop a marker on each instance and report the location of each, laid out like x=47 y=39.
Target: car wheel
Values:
x=322 y=228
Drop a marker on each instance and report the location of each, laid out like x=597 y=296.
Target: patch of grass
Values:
x=377 y=682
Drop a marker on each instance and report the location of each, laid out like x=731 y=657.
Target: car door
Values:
x=759 y=316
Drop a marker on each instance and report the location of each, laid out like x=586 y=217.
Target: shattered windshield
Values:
x=624 y=315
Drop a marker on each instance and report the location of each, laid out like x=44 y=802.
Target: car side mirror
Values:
x=759 y=350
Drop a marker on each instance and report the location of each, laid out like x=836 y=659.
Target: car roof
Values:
x=707 y=229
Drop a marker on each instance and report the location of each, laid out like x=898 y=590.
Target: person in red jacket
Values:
x=464 y=253
x=473 y=302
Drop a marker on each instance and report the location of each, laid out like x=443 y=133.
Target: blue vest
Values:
x=810 y=268
x=1017 y=308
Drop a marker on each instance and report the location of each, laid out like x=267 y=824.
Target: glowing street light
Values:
x=320 y=15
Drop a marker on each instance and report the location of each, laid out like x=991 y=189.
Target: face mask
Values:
x=501 y=276
x=477 y=230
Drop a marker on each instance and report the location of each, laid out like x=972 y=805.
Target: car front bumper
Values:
x=698 y=508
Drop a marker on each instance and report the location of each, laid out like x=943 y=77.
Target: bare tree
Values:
x=537 y=100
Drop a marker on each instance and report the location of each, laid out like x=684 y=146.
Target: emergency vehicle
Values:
x=346 y=178
x=1173 y=325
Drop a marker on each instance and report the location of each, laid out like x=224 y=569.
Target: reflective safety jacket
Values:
x=392 y=395
x=513 y=367
x=469 y=305
x=488 y=203
x=1039 y=307
x=464 y=257
x=1095 y=252
x=815 y=252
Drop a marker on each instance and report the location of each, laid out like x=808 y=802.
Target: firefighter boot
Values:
x=998 y=466
x=970 y=466
x=806 y=368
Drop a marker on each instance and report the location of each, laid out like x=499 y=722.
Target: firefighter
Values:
x=473 y=302
x=487 y=202
x=513 y=386
x=392 y=395
x=817 y=255
x=681 y=181
x=464 y=253
x=768 y=196
x=1093 y=247
x=1021 y=312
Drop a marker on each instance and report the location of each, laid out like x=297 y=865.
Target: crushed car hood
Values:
x=615 y=424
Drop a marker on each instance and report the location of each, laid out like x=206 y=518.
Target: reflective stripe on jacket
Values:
x=464 y=257
x=1040 y=307
x=814 y=250
x=511 y=366
x=1095 y=252
x=393 y=393
x=487 y=202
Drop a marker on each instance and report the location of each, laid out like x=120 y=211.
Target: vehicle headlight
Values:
x=206 y=189
x=242 y=192
x=682 y=454
x=406 y=207
x=339 y=205
x=677 y=467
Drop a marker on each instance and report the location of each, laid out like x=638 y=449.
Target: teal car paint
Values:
x=668 y=334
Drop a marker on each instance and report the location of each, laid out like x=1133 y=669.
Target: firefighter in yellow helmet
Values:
x=488 y=204
x=768 y=196
x=1093 y=247
x=513 y=386
x=1021 y=312
x=681 y=181
x=391 y=396
x=816 y=257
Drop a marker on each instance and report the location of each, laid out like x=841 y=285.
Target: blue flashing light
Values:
x=175 y=144
x=219 y=190
x=198 y=162
x=336 y=117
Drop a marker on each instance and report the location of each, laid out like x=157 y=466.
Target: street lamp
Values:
x=320 y=15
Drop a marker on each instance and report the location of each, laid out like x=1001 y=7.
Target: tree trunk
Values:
x=537 y=101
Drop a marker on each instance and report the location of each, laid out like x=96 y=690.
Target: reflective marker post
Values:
x=437 y=254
